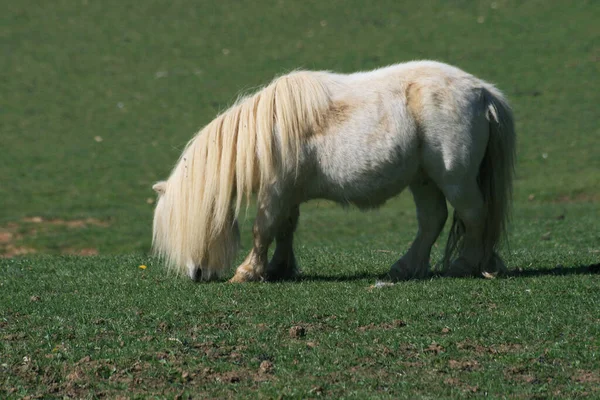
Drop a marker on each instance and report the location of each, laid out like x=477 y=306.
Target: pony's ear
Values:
x=160 y=187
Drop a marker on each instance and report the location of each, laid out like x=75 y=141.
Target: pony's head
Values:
x=197 y=252
x=234 y=156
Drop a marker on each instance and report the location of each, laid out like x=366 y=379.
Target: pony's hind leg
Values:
x=283 y=264
x=467 y=233
x=431 y=216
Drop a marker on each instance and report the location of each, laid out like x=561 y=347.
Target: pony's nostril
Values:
x=196 y=275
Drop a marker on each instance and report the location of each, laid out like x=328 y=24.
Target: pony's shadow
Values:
x=514 y=273
x=361 y=276
x=559 y=270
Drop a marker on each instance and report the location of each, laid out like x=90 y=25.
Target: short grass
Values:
x=97 y=100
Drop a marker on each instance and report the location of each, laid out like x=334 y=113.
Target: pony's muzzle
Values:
x=194 y=272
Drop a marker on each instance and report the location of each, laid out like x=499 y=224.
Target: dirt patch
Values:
x=464 y=365
x=520 y=374
x=297 y=332
x=413 y=364
x=583 y=376
x=14 y=337
x=214 y=351
x=83 y=378
x=5 y=237
x=266 y=367
x=358 y=372
x=503 y=348
x=434 y=348
x=229 y=377
x=73 y=223
x=13 y=234
x=383 y=326
x=237 y=376
x=579 y=198
x=506 y=348
x=461 y=385
x=11 y=250
x=81 y=252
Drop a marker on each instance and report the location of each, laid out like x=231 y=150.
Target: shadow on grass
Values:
x=361 y=276
x=558 y=271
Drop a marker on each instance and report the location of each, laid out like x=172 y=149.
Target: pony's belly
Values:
x=366 y=160
x=377 y=198
x=365 y=190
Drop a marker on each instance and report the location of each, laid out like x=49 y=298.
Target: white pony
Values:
x=355 y=139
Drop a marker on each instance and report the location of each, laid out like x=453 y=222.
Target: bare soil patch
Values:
x=13 y=235
x=383 y=326
x=579 y=198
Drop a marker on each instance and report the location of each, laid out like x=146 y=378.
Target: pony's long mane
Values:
x=240 y=152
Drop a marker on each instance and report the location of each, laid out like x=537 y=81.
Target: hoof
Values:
x=461 y=268
x=282 y=275
x=399 y=274
x=401 y=271
x=241 y=278
x=280 y=269
x=238 y=278
x=495 y=268
x=244 y=273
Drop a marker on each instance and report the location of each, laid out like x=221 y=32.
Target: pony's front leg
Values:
x=254 y=267
x=283 y=264
x=431 y=216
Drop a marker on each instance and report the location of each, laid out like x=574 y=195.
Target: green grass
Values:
x=97 y=100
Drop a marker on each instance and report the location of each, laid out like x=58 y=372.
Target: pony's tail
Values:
x=495 y=182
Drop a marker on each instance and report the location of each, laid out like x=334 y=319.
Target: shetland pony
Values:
x=355 y=139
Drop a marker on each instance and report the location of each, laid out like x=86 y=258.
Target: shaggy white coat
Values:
x=355 y=139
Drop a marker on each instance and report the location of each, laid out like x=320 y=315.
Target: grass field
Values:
x=97 y=99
